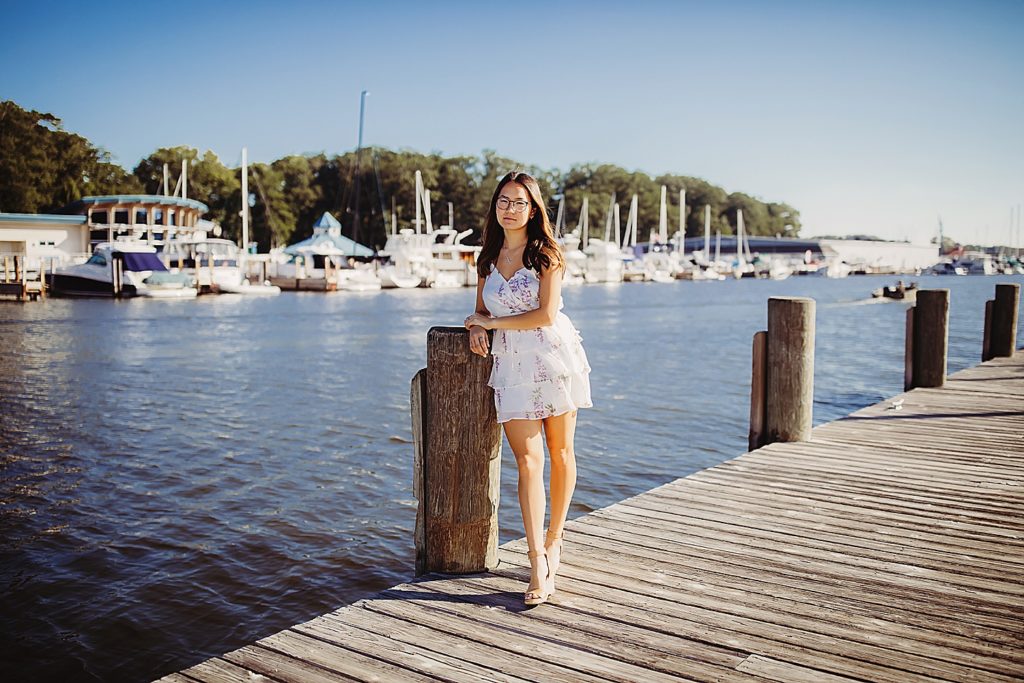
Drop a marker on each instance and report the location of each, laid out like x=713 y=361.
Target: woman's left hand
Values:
x=480 y=321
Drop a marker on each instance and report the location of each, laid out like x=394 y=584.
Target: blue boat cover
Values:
x=137 y=261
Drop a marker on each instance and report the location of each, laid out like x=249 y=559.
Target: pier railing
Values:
x=16 y=280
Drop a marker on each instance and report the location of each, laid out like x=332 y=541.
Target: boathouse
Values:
x=72 y=234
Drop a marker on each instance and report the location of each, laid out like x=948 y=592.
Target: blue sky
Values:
x=869 y=117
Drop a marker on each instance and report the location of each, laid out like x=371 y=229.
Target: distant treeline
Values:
x=43 y=168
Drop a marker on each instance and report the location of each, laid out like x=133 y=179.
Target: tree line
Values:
x=43 y=168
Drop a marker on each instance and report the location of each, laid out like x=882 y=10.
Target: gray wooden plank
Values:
x=803 y=584
x=611 y=586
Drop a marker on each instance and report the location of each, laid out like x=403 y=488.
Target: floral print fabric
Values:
x=540 y=372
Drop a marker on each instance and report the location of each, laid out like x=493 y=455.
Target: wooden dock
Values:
x=888 y=548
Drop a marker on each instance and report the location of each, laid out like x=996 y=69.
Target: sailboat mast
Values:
x=559 y=220
x=245 y=206
x=584 y=223
x=739 y=238
x=634 y=219
x=707 y=233
x=419 y=204
x=608 y=219
x=682 y=212
x=663 y=216
x=359 y=159
x=618 y=227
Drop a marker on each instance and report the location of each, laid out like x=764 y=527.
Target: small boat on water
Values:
x=898 y=292
x=124 y=268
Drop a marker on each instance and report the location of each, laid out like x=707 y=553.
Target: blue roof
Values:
x=160 y=199
x=42 y=218
x=327 y=221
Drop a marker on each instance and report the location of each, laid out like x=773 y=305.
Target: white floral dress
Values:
x=540 y=372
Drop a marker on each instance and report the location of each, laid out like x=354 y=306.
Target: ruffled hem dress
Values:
x=537 y=373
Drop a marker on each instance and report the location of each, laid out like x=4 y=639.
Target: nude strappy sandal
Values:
x=550 y=542
x=538 y=596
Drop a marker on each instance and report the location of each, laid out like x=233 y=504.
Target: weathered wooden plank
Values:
x=176 y=678
x=1002 y=497
x=907 y=576
x=293 y=656
x=496 y=599
x=821 y=618
x=856 y=488
x=367 y=632
x=979 y=558
x=220 y=671
x=788 y=673
x=522 y=645
x=754 y=620
x=837 y=499
x=695 y=564
x=821 y=548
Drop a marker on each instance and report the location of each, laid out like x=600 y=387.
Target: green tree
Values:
x=44 y=168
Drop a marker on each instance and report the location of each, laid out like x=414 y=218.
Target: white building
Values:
x=40 y=238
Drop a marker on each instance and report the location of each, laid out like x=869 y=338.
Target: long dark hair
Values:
x=542 y=251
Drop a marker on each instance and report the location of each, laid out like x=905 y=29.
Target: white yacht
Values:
x=124 y=268
x=409 y=257
x=453 y=264
x=604 y=261
x=215 y=264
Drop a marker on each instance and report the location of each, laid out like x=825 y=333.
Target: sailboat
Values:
x=408 y=252
x=604 y=257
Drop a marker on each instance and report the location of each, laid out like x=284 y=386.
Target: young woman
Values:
x=540 y=374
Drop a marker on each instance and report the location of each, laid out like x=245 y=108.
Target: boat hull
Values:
x=78 y=286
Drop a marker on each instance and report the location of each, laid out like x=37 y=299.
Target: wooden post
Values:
x=790 y=369
x=908 y=352
x=115 y=264
x=755 y=437
x=458 y=449
x=7 y=268
x=418 y=407
x=986 y=337
x=930 y=338
x=1001 y=322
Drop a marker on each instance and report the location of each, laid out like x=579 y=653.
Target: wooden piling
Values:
x=790 y=369
x=117 y=265
x=458 y=447
x=930 y=336
x=1001 y=322
x=757 y=390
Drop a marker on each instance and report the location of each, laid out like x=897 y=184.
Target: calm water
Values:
x=178 y=479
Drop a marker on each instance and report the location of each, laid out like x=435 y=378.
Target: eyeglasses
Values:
x=517 y=206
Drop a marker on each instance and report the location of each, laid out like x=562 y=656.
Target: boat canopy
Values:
x=328 y=240
x=138 y=261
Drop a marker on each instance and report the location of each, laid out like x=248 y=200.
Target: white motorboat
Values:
x=358 y=279
x=124 y=268
x=604 y=261
x=215 y=264
x=409 y=259
x=452 y=264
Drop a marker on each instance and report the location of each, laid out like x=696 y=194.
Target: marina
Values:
x=237 y=466
x=71 y=247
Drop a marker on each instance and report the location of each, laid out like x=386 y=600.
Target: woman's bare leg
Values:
x=560 y=432
x=524 y=437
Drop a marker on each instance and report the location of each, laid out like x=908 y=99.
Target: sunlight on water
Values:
x=180 y=478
